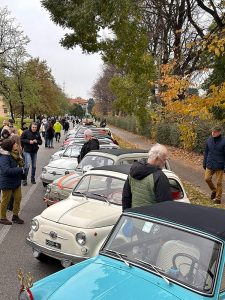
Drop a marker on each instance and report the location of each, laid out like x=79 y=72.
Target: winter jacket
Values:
x=10 y=174
x=28 y=136
x=57 y=127
x=214 y=155
x=92 y=144
x=50 y=132
x=146 y=184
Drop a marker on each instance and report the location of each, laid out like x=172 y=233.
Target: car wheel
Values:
x=44 y=184
x=41 y=257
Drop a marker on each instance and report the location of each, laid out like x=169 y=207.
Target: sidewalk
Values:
x=187 y=165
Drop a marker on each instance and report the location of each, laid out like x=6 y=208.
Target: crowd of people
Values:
x=146 y=183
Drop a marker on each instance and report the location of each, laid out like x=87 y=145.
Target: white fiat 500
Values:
x=75 y=228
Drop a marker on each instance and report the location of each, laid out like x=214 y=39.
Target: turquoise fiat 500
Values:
x=165 y=251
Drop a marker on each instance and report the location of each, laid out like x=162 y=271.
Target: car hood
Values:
x=64 y=163
x=82 y=213
x=68 y=181
x=99 y=280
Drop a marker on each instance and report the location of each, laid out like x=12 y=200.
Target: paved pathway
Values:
x=184 y=170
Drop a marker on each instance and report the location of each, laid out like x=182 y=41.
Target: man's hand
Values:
x=31 y=142
x=35 y=141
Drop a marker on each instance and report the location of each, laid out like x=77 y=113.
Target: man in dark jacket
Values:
x=91 y=143
x=147 y=184
x=214 y=163
x=30 y=140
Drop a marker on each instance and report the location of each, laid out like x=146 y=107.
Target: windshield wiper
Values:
x=80 y=193
x=102 y=196
x=155 y=269
x=120 y=255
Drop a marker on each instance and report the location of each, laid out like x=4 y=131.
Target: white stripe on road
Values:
x=5 y=229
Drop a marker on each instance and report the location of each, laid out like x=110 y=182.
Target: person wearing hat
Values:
x=214 y=163
x=10 y=180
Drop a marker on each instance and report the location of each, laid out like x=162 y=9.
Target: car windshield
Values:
x=178 y=255
x=92 y=161
x=100 y=187
x=72 y=151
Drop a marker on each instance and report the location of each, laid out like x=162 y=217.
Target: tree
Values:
x=91 y=103
x=12 y=47
x=77 y=110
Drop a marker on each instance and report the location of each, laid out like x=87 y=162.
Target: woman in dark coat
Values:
x=10 y=180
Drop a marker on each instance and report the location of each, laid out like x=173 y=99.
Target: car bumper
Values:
x=54 y=252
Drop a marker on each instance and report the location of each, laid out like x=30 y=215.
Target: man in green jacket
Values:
x=147 y=184
x=57 y=127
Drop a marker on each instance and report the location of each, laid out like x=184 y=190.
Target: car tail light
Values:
x=176 y=195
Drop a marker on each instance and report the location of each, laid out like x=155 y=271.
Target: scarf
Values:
x=18 y=158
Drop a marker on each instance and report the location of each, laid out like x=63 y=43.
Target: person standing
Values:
x=57 y=127
x=91 y=143
x=10 y=180
x=30 y=139
x=147 y=184
x=214 y=163
x=50 y=132
x=66 y=126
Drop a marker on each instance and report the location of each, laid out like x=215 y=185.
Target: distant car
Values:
x=62 y=166
x=92 y=209
x=62 y=187
x=164 y=251
x=71 y=150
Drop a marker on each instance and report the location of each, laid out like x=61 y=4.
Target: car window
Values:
x=222 y=286
x=185 y=257
x=95 y=161
x=176 y=189
x=103 y=188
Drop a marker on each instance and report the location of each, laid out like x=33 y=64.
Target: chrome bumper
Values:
x=54 y=252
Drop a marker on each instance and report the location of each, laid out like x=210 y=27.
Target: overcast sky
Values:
x=74 y=71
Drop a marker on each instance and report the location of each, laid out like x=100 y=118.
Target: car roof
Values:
x=125 y=169
x=118 y=152
x=207 y=219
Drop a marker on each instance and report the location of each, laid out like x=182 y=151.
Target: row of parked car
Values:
x=158 y=252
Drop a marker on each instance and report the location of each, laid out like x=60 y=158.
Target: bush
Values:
x=168 y=134
x=203 y=131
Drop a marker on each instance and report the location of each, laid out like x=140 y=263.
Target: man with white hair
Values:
x=91 y=143
x=147 y=184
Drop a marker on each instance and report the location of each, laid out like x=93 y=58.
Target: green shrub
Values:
x=203 y=131
x=167 y=134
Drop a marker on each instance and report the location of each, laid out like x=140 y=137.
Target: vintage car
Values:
x=165 y=251
x=62 y=187
x=75 y=228
x=70 y=151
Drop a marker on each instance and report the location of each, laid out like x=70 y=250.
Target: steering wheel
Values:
x=190 y=276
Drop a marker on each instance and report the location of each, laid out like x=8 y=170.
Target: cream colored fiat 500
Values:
x=75 y=228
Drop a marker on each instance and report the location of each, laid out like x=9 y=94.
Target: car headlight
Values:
x=81 y=238
x=44 y=170
x=34 y=225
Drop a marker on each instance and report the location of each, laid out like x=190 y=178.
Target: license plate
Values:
x=53 y=244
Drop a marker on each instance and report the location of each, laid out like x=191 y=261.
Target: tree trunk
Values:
x=22 y=113
x=11 y=110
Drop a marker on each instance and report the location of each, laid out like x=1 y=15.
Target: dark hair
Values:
x=7 y=144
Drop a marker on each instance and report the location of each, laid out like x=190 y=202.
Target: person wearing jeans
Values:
x=30 y=139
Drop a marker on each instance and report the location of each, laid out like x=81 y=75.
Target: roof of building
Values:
x=78 y=100
x=206 y=219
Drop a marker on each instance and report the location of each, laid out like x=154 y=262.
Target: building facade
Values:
x=3 y=108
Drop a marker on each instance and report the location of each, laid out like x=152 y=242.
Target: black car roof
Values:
x=118 y=152
x=207 y=219
x=125 y=169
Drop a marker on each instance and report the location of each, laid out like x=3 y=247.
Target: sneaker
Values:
x=17 y=220
x=213 y=195
x=216 y=201
x=24 y=182
x=5 y=221
x=33 y=181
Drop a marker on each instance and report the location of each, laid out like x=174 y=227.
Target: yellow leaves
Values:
x=188 y=136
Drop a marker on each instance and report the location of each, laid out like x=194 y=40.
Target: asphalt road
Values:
x=14 y=252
